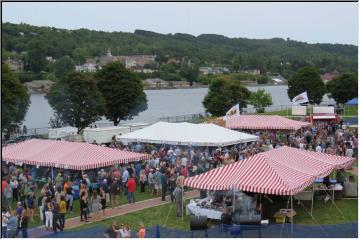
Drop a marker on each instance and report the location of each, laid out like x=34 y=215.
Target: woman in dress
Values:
x=143 y=180
x=103 y=199
x=96 y=205
x=48 y=215
x=83 y=207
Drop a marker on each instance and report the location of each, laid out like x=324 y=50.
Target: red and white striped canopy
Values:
x=264 y=122
x=69 y=155
x=282 y=171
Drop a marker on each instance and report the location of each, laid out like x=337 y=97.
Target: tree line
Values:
x=33 y=44
x=225 y=93
x=78 y=99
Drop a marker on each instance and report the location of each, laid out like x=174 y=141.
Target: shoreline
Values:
x=43 y=86
x=207 y=86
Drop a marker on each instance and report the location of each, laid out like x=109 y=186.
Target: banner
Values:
x=234 y=111
x=323 y=110
x=298 y=110
x=301 y=98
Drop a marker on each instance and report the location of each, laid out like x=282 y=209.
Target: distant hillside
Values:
x=275 y=55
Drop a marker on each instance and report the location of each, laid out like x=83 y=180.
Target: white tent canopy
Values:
x=187 y=134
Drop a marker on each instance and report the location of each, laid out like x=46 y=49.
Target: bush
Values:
x=26 y=76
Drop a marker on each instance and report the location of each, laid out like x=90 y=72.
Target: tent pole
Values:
x=287 y=110
x=52 y=174
x=234 y=199
x=182 y=202
x=312 y=200
x=292 y=217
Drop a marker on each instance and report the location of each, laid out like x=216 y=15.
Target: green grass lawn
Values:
x=165 y=215
x=342 y=211
x=350 y=110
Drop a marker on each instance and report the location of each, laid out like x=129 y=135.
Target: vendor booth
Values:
x=283 y=171
x=67 y=155
x=187 y=134
x=264 y=122
x=353 y=101
x=55 y=133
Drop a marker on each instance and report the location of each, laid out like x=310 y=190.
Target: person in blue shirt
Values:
x=163 y=180
x=12 y=225
x=34 y=172
x=19 y=209
x=124 y=179
x=138 y=167
x=138 y=147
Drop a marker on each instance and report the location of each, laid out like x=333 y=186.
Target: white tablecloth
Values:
x=199 y=211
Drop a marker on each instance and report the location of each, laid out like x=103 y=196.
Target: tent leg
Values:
x=52 y=174
x=292 y=217
x=234 y=199
x=287 y=111
x=312 y=201
x=182 y=203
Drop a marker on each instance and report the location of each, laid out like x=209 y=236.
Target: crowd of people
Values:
x=163 y=174
x=124 y=231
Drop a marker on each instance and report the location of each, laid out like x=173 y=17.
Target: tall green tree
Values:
x=37 y=56
x=343 y=88
x=223 y=94
x=79 y=55
x=77 y=100
x=123 y=92
x=15 y=99
x=190 y=73
x=307 y=79
x=63 y=66
x=260 y=99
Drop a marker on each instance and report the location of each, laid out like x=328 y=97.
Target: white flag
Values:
x=301 y=98
x=234 y=111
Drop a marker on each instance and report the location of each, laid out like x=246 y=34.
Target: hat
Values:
x=19 y=203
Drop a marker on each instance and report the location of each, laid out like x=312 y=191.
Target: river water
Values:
x=161 y=103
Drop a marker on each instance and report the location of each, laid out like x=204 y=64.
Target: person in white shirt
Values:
x=349 y=152
x=177 y=151
x=271 y=147
x=4 y=222
x=124 y=231
x=14 y=188
x=184 y=161
x=318 y=148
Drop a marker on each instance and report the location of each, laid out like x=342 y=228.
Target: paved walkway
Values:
x=110 y=213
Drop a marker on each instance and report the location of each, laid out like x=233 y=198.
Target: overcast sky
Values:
x=309 y=22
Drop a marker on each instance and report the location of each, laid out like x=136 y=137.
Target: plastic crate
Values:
x=280 y=219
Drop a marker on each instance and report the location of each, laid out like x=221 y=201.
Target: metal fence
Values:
x=184 y=118
x=284 y=110
x=346 y=230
